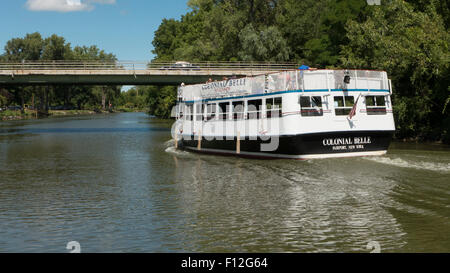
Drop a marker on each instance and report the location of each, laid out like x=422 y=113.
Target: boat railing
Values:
x=304 y=81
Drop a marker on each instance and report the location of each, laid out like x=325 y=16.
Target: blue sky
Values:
x=123 y=27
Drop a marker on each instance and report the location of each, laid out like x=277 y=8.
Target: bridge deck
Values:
x=128 y=73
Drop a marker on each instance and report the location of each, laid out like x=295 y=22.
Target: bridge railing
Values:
x=126 y=65
x=69 y=65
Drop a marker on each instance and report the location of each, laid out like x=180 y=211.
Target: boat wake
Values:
x=170 y=143
x=170 y=148
x=421 y=165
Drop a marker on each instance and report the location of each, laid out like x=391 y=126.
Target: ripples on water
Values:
x=327 y=205
x=420 y=165
x=130 y=190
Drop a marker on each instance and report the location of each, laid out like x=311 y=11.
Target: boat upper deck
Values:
x=288 y=81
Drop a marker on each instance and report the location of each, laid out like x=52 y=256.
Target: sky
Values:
x=122 y=27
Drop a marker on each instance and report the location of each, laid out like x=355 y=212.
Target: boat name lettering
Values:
x=346 y=141
x=234 y=87
x=223 y=84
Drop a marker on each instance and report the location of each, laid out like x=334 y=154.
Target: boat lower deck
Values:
x=302 y=146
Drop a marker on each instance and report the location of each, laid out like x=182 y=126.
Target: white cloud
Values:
x=65 y=5
x=109 y=2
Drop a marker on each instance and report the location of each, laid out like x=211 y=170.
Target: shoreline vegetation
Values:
x=40 y=101
x=409 y=39
x=31 y=115
x=10 y=115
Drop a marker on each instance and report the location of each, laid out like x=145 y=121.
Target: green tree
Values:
x=33 y=47
x=3 y=100
x=265 y=45
x=441 y=7
x=56 y=48
x=28 y=48
x=160 y=100
x=91 y=53
x=298 y=21
x=398 y=39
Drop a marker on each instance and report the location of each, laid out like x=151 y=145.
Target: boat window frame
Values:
x=211 y=115
x=238 y=115
x=376 y=109
x=254 y=114
x=278 y=109
x=311 y=111
x=343 y=110
x=223 y=115
x=189 y=112
x=180 y=111
x=200 y=115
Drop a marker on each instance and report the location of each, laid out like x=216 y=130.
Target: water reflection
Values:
x=281 y=207
x=116 y=184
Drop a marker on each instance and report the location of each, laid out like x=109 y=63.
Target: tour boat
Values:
x=298 y=114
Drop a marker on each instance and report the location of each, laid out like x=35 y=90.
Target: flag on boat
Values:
x=353 y=111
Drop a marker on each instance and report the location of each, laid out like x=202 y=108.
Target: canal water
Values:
x=114 y=183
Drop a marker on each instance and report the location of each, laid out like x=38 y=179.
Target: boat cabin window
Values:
x=189 y=112
x=211 y=111
x=254 y=108
x=199 y=110
x=376 y=105
x=311 y=106
x=343 y=105
x=223 y=110
x=238 y=110
x=274 y=107
x=180 y=110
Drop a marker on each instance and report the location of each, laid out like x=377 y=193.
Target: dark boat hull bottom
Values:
x=305 y=146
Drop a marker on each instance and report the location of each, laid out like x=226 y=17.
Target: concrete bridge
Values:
x=128 y=73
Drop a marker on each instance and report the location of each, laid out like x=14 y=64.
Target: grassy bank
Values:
x=30 y=114
x=130 y=110
x=57 y=113
x=16 y=115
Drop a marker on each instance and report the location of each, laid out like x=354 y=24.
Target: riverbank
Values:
x=31 y=114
